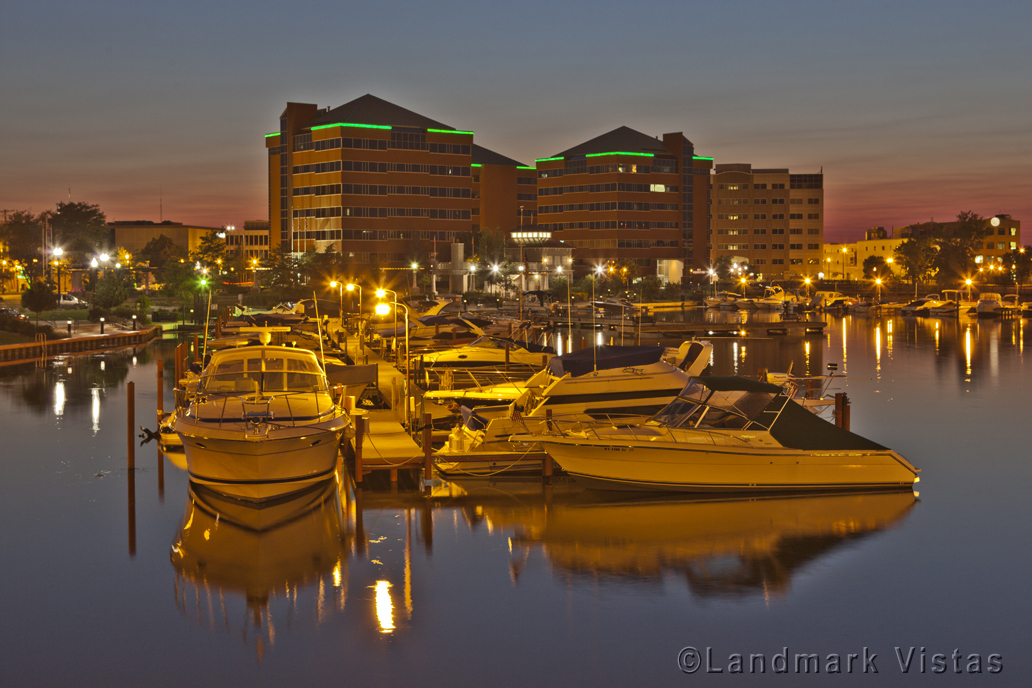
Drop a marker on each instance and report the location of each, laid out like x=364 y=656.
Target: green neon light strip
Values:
x=274 y=134
x=349 y=124
x=699 y=157
x=448 y=131
x=548 y=159
x=475 y=165
x=525 y=167
x=644 y=155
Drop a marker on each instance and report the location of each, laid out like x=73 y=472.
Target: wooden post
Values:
x=196 y=348
x=359 y=436
x=130 y=417
x=510 y=330
x=546 y=464
x=839 y=415
x=428 y=450
x=845 y=412
x=131 y=500
x=161 y=389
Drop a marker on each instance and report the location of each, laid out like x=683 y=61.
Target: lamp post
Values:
x=877 y=283
x=380 y=293
x=382 y=309
x=415 y=269
x=340 y=290
x=351 y=286
x=58 y=252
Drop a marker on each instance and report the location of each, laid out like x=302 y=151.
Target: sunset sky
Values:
x=915 y=110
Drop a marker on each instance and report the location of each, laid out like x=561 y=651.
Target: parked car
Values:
x=68 y=301
x=13 y=313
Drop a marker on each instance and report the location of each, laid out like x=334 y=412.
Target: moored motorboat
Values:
x=262 y=423
x=726 y=434
x=609 y=383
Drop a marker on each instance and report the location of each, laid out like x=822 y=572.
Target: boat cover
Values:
x=798 y=428
x=604 y=357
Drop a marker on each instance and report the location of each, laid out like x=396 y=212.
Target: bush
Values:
x=11 y=323
x=159 y=315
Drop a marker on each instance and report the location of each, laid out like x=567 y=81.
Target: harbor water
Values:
x=115 y=577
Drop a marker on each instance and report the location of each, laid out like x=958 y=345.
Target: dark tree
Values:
x=877 y=266
x=955 y=259
x=914 y=257
x=160 y=250
x=22 y=234
x=39 y=297
x=79 y=228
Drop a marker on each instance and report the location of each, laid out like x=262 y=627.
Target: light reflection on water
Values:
x=483 y=575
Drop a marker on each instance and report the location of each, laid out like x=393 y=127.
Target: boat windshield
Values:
x=269 y=374
x=697 y=406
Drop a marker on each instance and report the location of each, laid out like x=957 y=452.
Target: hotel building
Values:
x=769 y=218
x=627 y=195
x=504 y=192
x=252 y=240
x=381 y=184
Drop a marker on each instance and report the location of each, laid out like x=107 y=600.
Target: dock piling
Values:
x=428 y=450
x=130 y=416
x=359 y=436
x=161 y=389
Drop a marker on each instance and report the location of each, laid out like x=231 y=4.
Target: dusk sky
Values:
x=915 y=110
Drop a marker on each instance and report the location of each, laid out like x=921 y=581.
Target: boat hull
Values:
x=262 y=468
x=713 y=468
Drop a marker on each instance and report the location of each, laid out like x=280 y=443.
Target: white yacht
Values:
x=774 y=297
x=489 y=351
x=725 y=434
x=262 y=423
x=991 y=305
x=923 y=305
x=722 y=299
x=608 y=383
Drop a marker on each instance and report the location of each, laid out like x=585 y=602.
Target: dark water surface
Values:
x=511 y=584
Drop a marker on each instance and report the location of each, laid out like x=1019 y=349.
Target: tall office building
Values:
x=382 y=184
x=769 y=218
x=627 y=195
x=504 y=191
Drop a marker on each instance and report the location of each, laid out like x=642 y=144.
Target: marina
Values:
x=385 y=550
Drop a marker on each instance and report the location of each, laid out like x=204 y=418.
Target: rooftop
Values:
x=621 y=139
x=483 y=156
x=372 y=110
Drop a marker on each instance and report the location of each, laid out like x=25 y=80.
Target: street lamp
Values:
x=58 y=252
x=383 y=309
x=877 y=282
x=968 y=283
x=333 y=285
x=380 y=293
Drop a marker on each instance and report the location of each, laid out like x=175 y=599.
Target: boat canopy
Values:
x=737 y=403
x=604 y=357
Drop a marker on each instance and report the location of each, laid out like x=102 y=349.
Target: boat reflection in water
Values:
x=240 y=565
x=723 y=547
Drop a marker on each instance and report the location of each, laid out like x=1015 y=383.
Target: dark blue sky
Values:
x=914 y=109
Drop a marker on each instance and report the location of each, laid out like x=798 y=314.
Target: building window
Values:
x=760 y=230
x=815 y=230
x=813 y=247
x=777 y=230
x=777 y=201
x=813 y=201
x=777 y=261
x=795 y=230
x=777 y=247
x=760 y=247
x=813 y=216
x=795 y=201
x=759 y=261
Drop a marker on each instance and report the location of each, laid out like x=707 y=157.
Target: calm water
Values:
x=510 y=584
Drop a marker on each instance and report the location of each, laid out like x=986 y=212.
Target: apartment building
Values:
x=625 y=195
x=382 y=184
x=769 y=218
